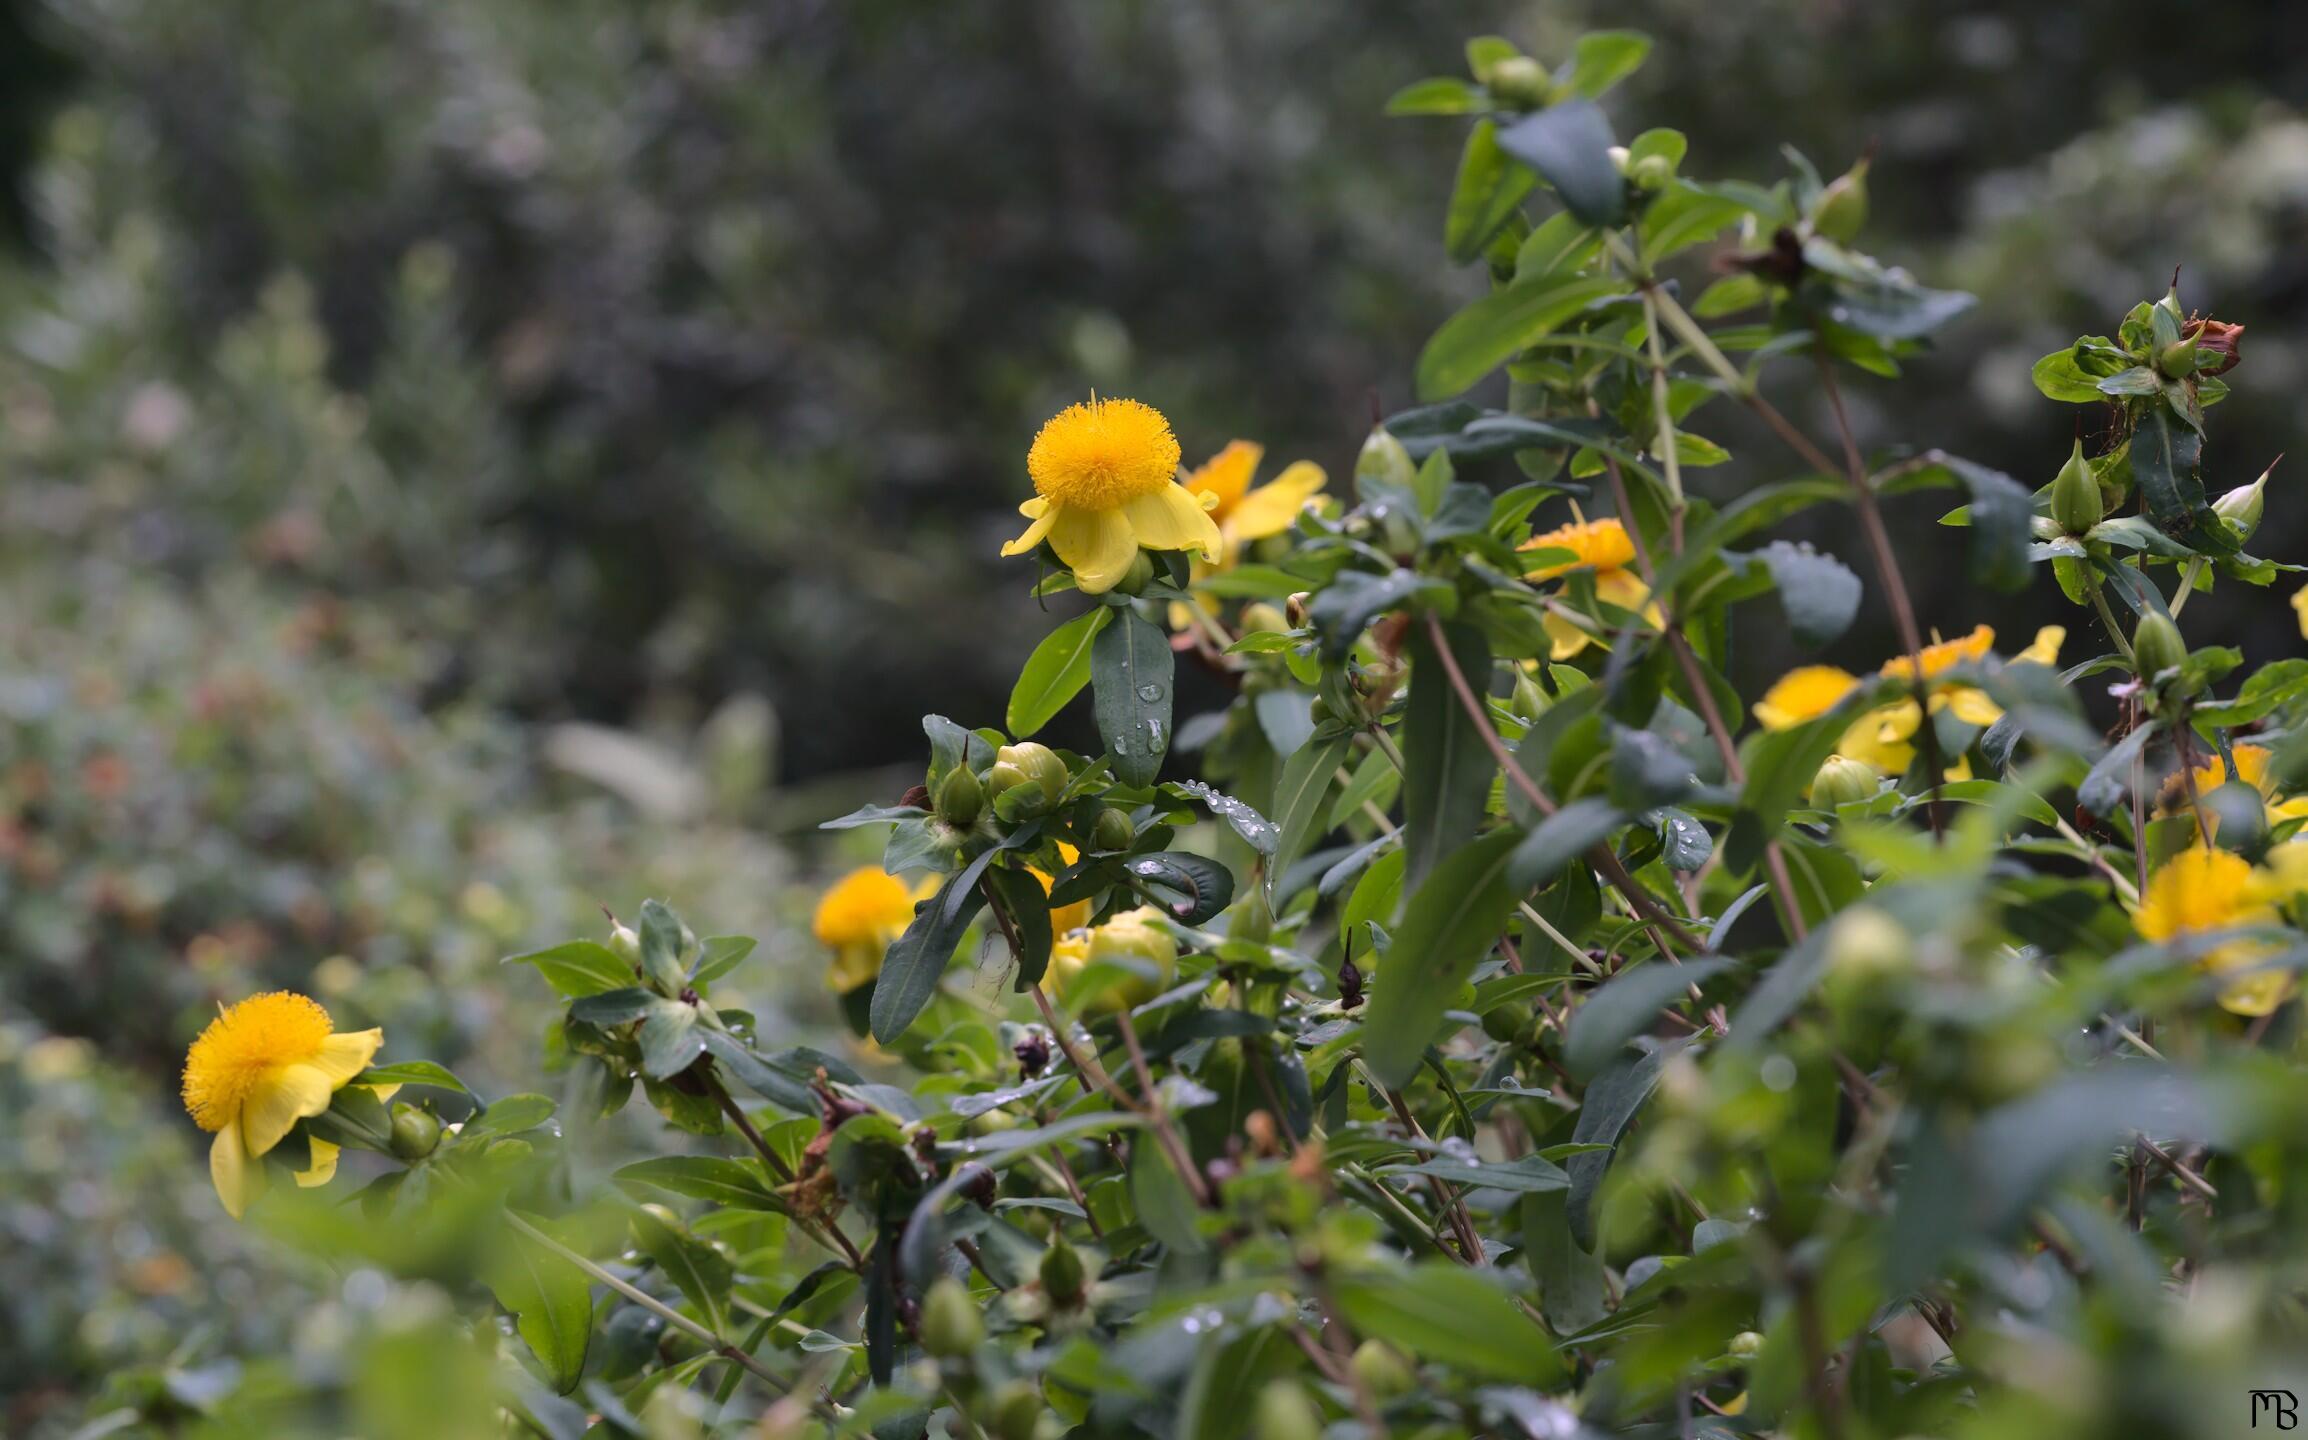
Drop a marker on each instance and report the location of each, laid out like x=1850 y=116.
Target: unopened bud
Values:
x=1005 y=776
x=1383 y=1368
x=2217 y=345
x=960 y=797
x=2157 y=646
x=1140 y=574
x=1263 y=615
x=624 y=942
x=951 y=1322
x=1297 y=604
x=1530 y=702
x=1112 y=831
x=1842 y=208
x=1841 y=781
x=1384 y=460
x=1747 y=1342
x=1522 y=82
x=2076 y=504
x=2177 y=359
x=1253 y=918
x=1017 y=1410
x=1652 y=173
x=1064 y=1277
x=2242 y=507
x=1039 y=763
x=1506 y=1022
x=415 y=1133
x=1282 y=1412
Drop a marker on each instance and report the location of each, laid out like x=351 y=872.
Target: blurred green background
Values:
x=464 y=465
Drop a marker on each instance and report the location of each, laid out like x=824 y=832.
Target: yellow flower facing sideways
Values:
x=1105 y=479
x=857 y=920
x=2201 y=890
x=1127 y=934
x=1604 y=547
x=259 y=1068
x=1884 y=737
x=2251 y=769
x=1243 y=513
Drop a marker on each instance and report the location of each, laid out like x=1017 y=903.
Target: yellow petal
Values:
x=345 y=1055
x=2300 y=608
x=1173 y=519
x=324 y=1166
x=1097 y=545
x=279 y=1101
x=2046 y=649
x=2258 y=994
x=1044 y=515
x=1569 y=638
x=1226 y=476
x=1273 y=507
x=1970 y=705
x=1803 y=694
x=237 y=1181
x=382 y=1092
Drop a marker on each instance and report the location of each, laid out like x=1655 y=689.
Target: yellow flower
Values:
x=1243 y=513
x=1605 y=547
x=1106 y=482
x=859 y=917
x=1883 y=737
x=1803 y=694
x=2300 y=608
x=2251 y=769
x=1126 y=935
x=258 y=1069
x=2201 y=890
x=1064 y=917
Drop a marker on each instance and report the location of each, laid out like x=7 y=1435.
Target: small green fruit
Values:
x=1017 y=1410
x=1530 y=701
x=1867 y=949
x=1747 y=1342
x=1064 y=1276
x=2157 y=646
x=2076 y=506
x=415 y=1133
x=2243 y=506
x=1260 y=615
x=1521 y=82
x=1506 y=1022
x=951 y=1322
x=1112 y=830
x=1253 y=918
x=1842 y=209
x=624 y=942
x=1282 y=1412
x=1383 y=1368
x=1841 y=781
x=960 y=797
x=1652 y=173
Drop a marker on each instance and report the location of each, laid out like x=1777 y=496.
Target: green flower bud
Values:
x=1263 y=615
x=1383 y=1368
x=1040 y=764
x=1522 y=82
x=624 y=942
x=2242 y=506
x=415 y=1133
x=2076 y=504
x=1003 y=777
x=951 y=1322
x=1506 y=1022
x=2177 y=359
x=1842 y=780
x=1383 y=460
x=1842 y=209
x=1530 y=702
x=1253 y=918
x=960 y=797
x=1282 y=1412
x=1112 y=831
x=1139 y=576
x=1652 y=173
x=1065 y=1279
x=2157 y=646
x=1867 y=948
x=1017 y=1410
x=1747 y=1342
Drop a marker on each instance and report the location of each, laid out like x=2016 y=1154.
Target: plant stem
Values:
x=2108 y=617
x=828 y=1235
x=1159 y=1117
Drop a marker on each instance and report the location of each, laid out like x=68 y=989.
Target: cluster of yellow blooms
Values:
x=1604 y=548
x=1884 y=738
x=2203 y=890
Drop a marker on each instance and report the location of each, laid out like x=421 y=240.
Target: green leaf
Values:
x=1488 y=333
x=670 y=1039
x=1191 y=889
x=1561 y=838
x=551 y=1301
x=1130 y=666
x=1298 y=796
x=1601 y=59
x=1627 y=1005
x=1440 y=95
x=614 y=1007
x=1451 y=923
x=509 y=1116
x=578 y=968
x=1164 y=1205
x=1451 y=1315
x=411 y=1072
x=711 y=1178
x=1342 y=609
x=1818 y=592
x=1055 y=673
x=718 y=955
x=1447 y=772
x=913 y=965
x=1527 y=1176
x=1572 y=1289
x=1489 y=188
x=2165 y=457
x=661 y=947
x=1570 y=146
x=694 y=1265
x=2001 y=516
x=1605 y=1111
x=1028 y=906
x=1255 y=829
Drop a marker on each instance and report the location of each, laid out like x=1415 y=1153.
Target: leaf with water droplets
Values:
x=1248 y=823
x=1130 y=675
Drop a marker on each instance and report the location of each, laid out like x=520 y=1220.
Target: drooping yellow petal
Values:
x=2300 y=608
x=1945 y=654
x=1970 y=704
x=1273 y=507
x=1225 y=476
x=237 y=1180
x=279 y=1100
x=344 y=1055
x=1569 y=636
x=1097 y=545
x=1172 y=518
x=324 y=1166
x=1044 y=515
x=2046 y=648
x=1804 y=693
x=1625 y=589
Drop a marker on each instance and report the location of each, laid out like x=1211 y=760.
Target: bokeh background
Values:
x=461 y=466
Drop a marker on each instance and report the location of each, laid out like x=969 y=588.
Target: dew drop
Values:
x=1149 y=693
